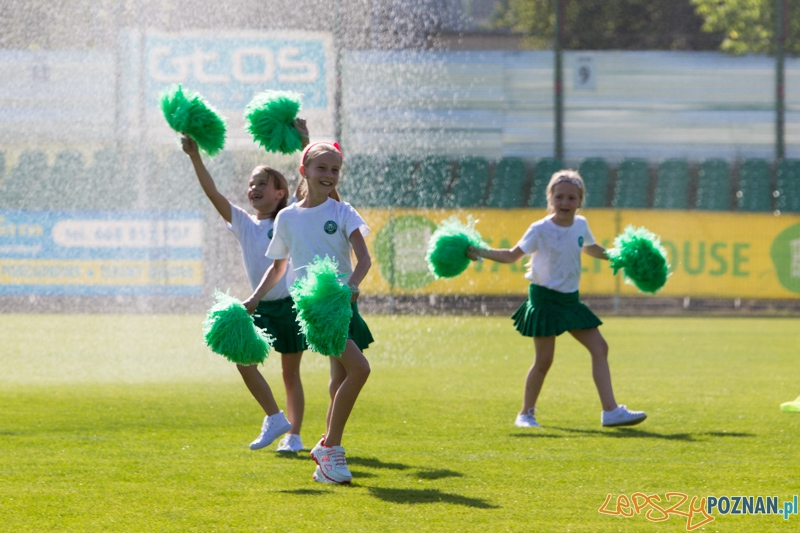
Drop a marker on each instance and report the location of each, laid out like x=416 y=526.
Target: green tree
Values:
x=748 y=26
x=609 y=24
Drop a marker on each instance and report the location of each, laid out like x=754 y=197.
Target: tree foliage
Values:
x=609 y=24
x=748 y=26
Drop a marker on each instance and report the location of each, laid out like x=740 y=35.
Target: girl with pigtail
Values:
x=321 y=225
x=268 y=194
x=555 y=244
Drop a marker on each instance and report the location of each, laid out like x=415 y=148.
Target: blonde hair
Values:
x=280 y=183
x=568 y=176
x=312 y=151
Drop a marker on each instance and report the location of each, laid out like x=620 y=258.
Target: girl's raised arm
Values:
x=222 y=205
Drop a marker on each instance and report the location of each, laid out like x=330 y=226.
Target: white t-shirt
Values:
x=556 y=253
x=304 y=233
x=254 y=236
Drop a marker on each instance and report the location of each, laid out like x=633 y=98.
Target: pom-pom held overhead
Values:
x=188 y=113
x=229 y=331
x=641 y=257
x=323 y=308
x=270 y=119
x=447 y=248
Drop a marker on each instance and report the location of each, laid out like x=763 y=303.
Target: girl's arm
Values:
x=363 y=262
x=271 y=277
x=221 y=203
x=501 y=255
x=596 y=251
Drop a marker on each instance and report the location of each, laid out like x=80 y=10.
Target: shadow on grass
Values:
x=437 y=474
x=416 y=496
x=372 y=462
x=305 y=492
x=635 y=433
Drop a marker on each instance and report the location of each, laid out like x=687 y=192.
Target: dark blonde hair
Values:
x=312 y=151
x=568 y=176
x=280 y=183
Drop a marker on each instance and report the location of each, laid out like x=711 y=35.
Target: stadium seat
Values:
x=543 y=170
x=632 y=185
x=788 y=185
x=176 y=187
x=672 y=185
x=713 y=185
x=227 y=178
x=394 y=188
x=469 y=188
x=360 y=175
x=147 y=165
x=431 y=182
x=68 y=189
x=105 y=186
x=26 y=185
x=595 y=174
x=755 y=186
x=508 y=184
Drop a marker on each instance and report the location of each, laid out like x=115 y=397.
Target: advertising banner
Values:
x=712 y=255
x=100 y=253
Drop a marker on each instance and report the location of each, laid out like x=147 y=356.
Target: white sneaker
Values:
x=528 y=420
x=319 y=478
x=331 y=464
x=622 y=416
x=290 y=443
x=273 y=427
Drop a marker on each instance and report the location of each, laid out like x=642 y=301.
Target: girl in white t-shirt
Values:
x=320 y=224
x=555 y=244
x=268 y=193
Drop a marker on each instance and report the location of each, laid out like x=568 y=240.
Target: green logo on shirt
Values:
x=330 y=227
x=580 y=241
x=269 y=233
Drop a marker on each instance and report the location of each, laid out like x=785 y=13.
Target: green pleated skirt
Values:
x=547 y=313
x=279 y=319
x=358 y=330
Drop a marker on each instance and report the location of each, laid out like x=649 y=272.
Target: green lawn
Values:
x=128 y=423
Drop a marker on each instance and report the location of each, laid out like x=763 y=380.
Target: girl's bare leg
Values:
x=593 y=340
x=545 y=349
x=258 y=388
x=295 y=399
x=349 y=373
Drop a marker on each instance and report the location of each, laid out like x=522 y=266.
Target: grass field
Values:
x=127 y=423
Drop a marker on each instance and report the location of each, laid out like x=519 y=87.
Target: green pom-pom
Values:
x=323 y=308
x=188 y=113
x=270 y=119
x=229 y=331
x=447 y=248
x=641 y=257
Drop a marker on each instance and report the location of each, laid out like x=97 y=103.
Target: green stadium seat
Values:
x=469 y=187
x=755 y=186
x=713 y=185
x=228 y=180
x=672 y=185
x=543 y=170
x=360 y=175
x=27 y=182
x=105 y=186
x=177 y=187
x=431 y=181
x=508 y=184
x=788 y=185
x=394 y=187
x=632 y=184
x=596 y=176
x=143 y=164
x=68 y=189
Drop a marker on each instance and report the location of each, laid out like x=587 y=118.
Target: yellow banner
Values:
x=100 y=272
x=726 y=255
